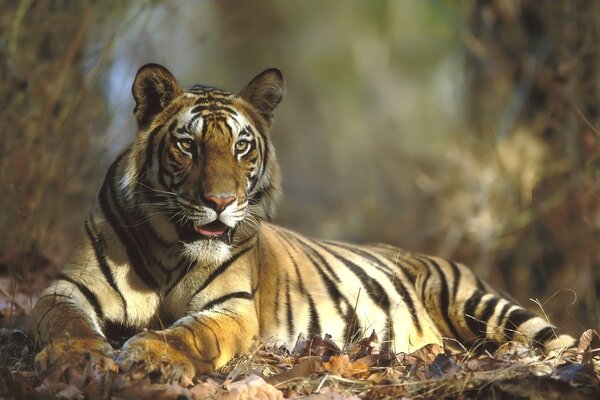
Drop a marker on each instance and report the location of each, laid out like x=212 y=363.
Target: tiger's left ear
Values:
x=153 y=89
x=264 y=91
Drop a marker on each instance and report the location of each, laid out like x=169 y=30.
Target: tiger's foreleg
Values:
x=68 y=334
x=469 y=309
x=198 y=343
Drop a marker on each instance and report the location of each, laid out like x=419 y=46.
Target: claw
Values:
x=151 y=352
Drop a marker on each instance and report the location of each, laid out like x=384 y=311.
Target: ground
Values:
x=315 y=368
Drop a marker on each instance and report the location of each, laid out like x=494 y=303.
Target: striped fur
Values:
x=179 y=244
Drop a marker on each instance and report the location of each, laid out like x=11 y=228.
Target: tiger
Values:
x=180 y=252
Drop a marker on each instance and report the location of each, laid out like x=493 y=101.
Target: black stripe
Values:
x=54 y=303
x=476 y=326
x=352 y=330
x=139 y=232
x=398 y=285
x=182 y=273
x=224 y=298
x=456 y=277
x=199 y=108
x=265 y=152
x=229 y=110
x=99 y=246
x=500 y=318
x=374 y=261
x=314 y=327
x=375 y=291
x=130 y=228
x=425 y=280
x=544 y=335
x=288 y=303
x=257 y=197
x=150 y=148
x=388 y=338
x=400 y=262
x=191 y=332
x=90 y=297
x=332 y=288
x=191 y=122
x=444 y=298
x=308 y=249
x=222 y=268
x=514 y=320
x=277 y=285
x=161 y=172
x=128 y=241
x=488 y=311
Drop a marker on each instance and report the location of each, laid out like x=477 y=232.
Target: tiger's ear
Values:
x=265 y=91
x=153 y=89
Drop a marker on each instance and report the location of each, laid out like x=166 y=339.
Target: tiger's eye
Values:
x=241 y=145
x=185 y=144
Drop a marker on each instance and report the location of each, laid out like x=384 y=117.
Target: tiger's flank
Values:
x=179 y=250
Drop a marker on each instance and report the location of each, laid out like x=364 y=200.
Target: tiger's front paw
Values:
x=167 y=352
x=67 y=352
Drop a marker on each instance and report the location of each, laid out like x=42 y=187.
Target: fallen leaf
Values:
x=342 y=366
x=365 y=347
x=300 y=346
x=442 y=365
x=484 y=364
x=426 y=353
x=251 y=388
x=305 y=367
x=574 y=373
x=589 y=345
x=329 y=394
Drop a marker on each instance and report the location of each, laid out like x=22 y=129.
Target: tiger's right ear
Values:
x=265 y=91
x=153 y=89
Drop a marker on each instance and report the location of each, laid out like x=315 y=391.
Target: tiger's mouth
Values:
x=215 y=230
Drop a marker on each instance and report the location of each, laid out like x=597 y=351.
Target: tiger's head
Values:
x=202 y=170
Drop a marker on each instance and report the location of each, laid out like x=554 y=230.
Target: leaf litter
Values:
x=314 y=368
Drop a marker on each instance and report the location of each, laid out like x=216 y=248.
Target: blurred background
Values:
x=464 y=129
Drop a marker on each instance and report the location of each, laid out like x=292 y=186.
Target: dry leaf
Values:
x=251 y=388
x=306 y=367
x=329 y=394
x=300 y=346
x=442 y=365
x=365 y=347
x=589 y=345
x=427 y=353
x=483 y=364
x=575 y=373
x=342 y=366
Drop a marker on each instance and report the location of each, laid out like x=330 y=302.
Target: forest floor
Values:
x=316 y=368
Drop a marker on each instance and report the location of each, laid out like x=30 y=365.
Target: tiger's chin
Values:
x=207 y=244
x=207 y=251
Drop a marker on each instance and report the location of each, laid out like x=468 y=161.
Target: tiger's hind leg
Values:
x=469 y=310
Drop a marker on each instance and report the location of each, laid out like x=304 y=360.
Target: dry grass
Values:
x=317 y=369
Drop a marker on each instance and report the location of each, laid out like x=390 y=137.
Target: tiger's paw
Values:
x=164 y=352
x=81 y=353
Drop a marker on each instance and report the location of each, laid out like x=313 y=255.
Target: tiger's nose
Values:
x=219 y=202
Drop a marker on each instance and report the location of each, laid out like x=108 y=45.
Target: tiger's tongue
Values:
x=215 y=228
